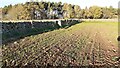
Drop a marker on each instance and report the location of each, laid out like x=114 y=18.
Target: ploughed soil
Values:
x=84 y=44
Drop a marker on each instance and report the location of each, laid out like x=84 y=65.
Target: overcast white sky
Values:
x=81 y=3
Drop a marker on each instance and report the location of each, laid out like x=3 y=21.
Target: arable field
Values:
x=83 y=44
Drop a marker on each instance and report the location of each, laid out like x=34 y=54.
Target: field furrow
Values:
x=83 y=44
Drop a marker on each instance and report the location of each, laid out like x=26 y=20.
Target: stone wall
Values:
x=12 y=30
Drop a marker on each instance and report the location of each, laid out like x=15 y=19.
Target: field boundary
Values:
x=104 y=20
x=13 y=29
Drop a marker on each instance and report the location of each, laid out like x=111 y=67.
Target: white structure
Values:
x=59 y=23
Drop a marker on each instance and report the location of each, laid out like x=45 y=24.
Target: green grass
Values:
x=74 y=43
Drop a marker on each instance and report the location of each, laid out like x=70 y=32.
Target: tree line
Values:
x=55 y=10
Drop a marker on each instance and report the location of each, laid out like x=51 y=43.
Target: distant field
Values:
x=86 y=43
x=104 y=20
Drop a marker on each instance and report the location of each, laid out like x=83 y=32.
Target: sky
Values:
x=81 y=3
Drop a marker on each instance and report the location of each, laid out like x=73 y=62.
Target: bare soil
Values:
x=79 y=45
